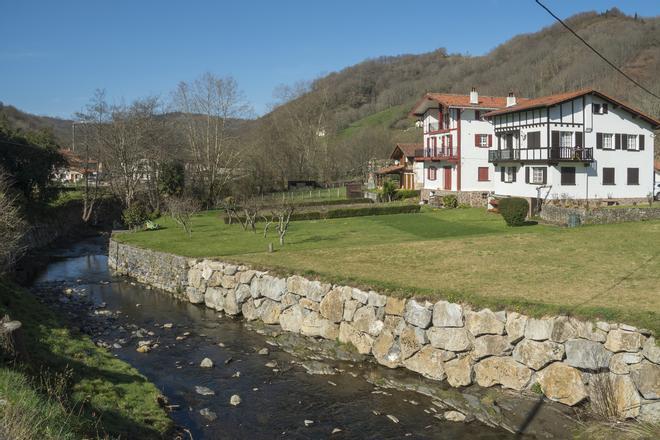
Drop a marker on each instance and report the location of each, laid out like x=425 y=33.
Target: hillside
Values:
x=61 y=128
x=365 y=106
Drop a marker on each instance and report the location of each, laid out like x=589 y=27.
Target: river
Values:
x=279 y=398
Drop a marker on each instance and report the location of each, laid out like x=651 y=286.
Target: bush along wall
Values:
x=514 y=210
x=570 y=361
x=348 y=212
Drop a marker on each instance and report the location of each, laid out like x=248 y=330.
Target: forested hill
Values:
x=60 y=128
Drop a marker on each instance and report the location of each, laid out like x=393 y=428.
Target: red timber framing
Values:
x=458 y=149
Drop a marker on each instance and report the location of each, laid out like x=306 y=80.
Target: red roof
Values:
x=550 y=100
x=390 y=169
x=463 y=101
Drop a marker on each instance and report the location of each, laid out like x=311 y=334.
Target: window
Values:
x=538 y=175
x=508 y=174
x=432 y=173
x=604 y=109
x=534 y=139
x=633 y=176
x=482 y=174
x=608 y=176
x=630 y=141
x=566 y=139
x=568 y=175
x=477 y=114
x=482 y=140
x=596 y=109
x=605 y=141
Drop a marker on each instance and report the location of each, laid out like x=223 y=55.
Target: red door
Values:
x=448 y=178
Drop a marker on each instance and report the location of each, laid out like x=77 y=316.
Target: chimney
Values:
x=510 y=100
x=474 y=96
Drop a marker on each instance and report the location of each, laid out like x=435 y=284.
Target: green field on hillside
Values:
x=607 y=271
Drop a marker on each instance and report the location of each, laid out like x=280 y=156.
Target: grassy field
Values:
x=69 y=387
x=307 y=195
x=609 y=271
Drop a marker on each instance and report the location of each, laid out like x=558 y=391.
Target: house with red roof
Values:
x=402 y=166
x=456 y=140
x=582 y=145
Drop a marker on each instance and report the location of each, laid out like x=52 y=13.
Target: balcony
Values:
x=437 y=153
x=542 y=155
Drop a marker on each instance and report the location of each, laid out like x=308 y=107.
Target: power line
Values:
x=596 y=51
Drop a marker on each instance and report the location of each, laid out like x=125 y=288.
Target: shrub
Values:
x=389 y=190
x=403 y=194
x=450 y=201
x=514 y=210
x=135 y=215
x=150 y=225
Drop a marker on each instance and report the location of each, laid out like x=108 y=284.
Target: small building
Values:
x=401 y=168
x=76 y=168
x=581 y=145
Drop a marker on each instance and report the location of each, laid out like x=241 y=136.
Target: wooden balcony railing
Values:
x=554 y=154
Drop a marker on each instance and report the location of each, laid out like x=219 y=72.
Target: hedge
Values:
x=348 y=212
x=514 y=210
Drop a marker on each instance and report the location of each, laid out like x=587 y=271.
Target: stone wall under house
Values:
x=565 y=358
x=475 y=199
x=559 y=215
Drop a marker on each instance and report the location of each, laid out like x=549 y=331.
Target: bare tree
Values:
x=251 y=210
x=283 y=216
x=12 y=225
x=181 y=208
x=209 y=105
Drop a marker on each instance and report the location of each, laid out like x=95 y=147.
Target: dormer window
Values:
x=596 y=109
x=600 y=109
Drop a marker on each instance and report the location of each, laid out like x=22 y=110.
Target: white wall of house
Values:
x=472 y=156
x=578 y=116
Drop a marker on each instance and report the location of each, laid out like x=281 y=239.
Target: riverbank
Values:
x=559 y=357
x=64 y=386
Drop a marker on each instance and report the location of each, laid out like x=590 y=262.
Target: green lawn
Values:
x=69 y=387
x=606 y=271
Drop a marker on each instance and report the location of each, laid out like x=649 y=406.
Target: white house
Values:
x=457 y=138
x=580 y=145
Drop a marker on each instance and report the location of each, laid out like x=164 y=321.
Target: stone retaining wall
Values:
x=559 y=215
x=475 y=199
x=566 y=359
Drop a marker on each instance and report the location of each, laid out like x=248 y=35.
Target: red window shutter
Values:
x=443 y=141
x=450 y=141
x=490 y=140
x=476 y=140
x=435 y=142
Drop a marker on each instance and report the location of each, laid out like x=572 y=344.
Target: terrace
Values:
x=542 y=155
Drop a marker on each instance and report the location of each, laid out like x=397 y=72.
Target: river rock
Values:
x=417 y=314
x=539 y=329
x=208 y=414
x=411 y=340
x=651 y=351
x=483 y=322
x=318 y=368
x=449 y=338
x=587 y=355
x=454 y=416
x=204 y=391
x=563 y=329
x=291 y=319
x=269 y=311
x=235 y=400
x=562 y=383
x=314 y=325
x=621 y=340
x=360 y=296
x=646 y=377
x=459 y=371
x=490 y=345
x=446 y=314
x=515 y=326
x=350 y=306
x=309 y=304
x=386 y=350
x=537 y=354
x=503 y=371
x=332 y=306
x=427 y=362
x=249 y=310
x=361 y=341
x=231 y=305
x=365 y=320
x=272 y=287
x=395 y=306
x=195 y=296
x=206 y=363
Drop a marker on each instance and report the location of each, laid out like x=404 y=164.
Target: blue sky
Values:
x=54 y=54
